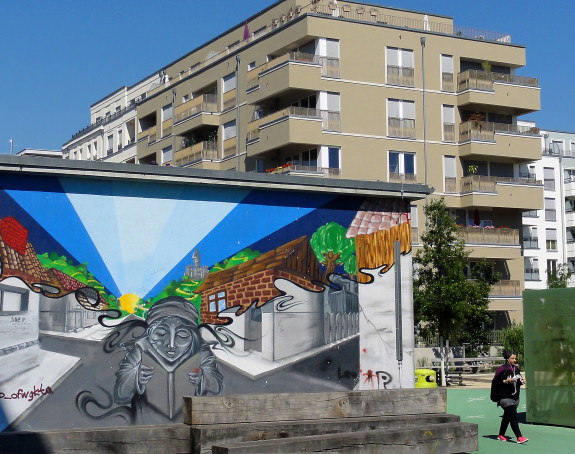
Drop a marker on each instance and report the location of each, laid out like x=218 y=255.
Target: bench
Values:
x=459 y=366
x=343 y=421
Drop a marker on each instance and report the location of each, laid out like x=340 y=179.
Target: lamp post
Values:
x=238 y=58
x=422 y=41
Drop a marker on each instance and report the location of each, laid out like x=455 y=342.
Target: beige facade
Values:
x=336 y=89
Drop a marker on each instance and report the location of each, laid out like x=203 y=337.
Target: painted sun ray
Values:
x=150 y=231
x=52 y=209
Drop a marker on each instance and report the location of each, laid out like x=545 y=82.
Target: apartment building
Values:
x=111 y=135
x=344 y=89
x=549 y=234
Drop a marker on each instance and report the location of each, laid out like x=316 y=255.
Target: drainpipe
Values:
x=238 y=58
x=422 y=40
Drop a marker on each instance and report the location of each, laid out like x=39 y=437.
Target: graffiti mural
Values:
x=119 y=298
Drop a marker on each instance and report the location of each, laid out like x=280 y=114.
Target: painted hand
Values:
x=145 y=374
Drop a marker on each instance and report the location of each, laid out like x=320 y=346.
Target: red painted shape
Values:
x=13 y=234
x=365 y=350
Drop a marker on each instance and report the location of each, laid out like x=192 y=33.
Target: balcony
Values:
x=292 y=125
x=150 y=133
x=569 y=187
x=291 y=71
x=490 y=236
x=400 y=75
x=515 y=95
x=506 y=288
x=499 y=141
x=401 y=127
x=398 y=177
x=499 y=192
x=196 y=153
x=204 y=103
x=530 y=242
x=308 y=171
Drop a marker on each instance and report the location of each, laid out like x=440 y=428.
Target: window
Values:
x=447 y=72
x=217 y=302
x=556 y=147
x=531 y=269
x=251 y=65
x=551 y=239
x=307 y=159
x=400 y=66
x=166 y=112
x=185 y=98
x=448 y=113
x=332 y=48
x=530 y=214
x=551 y=267
x=95 y=149
x=333 y=153
x=13 y=299
x=167 y=154
x=550 y=213
x=119 y=139
x=549 y=178
x=230 y=130
x=401 y=166
x=449 y=172
x=110 y=144
x=401 y=118
x=229 y=82
x=530 y=240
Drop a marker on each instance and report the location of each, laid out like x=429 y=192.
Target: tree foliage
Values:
x=331 y=247
x=512 y=339
x=559 y=278
x=445 y=300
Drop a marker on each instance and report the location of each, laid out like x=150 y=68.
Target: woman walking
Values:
x=508 y=381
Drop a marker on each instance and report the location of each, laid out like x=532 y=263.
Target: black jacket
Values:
x=508 y=390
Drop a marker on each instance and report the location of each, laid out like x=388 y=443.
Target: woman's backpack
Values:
x=494 y=394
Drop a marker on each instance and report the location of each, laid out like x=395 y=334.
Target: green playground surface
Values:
x=474 y=405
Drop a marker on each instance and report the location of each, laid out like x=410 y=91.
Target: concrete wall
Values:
x=114 y=242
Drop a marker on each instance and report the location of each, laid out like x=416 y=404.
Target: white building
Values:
x=112 y=133
x=549 y=234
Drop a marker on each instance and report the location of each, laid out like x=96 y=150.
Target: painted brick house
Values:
x=253 y=280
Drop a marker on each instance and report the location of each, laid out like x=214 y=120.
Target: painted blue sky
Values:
x=60 y=56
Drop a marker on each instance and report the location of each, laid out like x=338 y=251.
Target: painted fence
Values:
x=119 y=296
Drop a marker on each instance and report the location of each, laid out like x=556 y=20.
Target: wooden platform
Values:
x=404 y=420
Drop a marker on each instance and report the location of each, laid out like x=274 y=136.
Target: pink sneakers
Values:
x=521 y=440
x=502 y=438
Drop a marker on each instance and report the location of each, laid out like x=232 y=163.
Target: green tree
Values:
x=331 y=246
x=446 y=302
x=559 y=277
x=512 y=339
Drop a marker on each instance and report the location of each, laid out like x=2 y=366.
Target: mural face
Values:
x=119 y=298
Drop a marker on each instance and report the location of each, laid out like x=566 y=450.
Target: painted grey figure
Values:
x=171 y=340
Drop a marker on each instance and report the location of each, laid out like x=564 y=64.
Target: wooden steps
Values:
x=399 y=420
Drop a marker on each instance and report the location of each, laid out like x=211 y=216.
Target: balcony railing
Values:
x=401 y=127
x=482 y=183
x=398 y=177
x=485 y=130
x=483 y=80
x=506 y=288
x=448 y=132
x=531 y=274
x=531 y=242
x=447 y=81
x=414 y=235
x=230 y=147
x=400 y=75
x=204 y=103
x=196 y=153
x=107 y=119
x=450 y=185
x=330 y=119
x=487 y=235
x=365 y=13
x=301 y=169
x=329 y=66
x=167 y=127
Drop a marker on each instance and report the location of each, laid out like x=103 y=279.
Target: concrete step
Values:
x=205 y=436
x=452 y=437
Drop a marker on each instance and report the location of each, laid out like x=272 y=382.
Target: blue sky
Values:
x=60 y=56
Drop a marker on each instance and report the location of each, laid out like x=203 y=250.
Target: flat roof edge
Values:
x=179 y=175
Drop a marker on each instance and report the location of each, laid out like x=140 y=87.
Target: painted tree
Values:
x=446 y=301
x=331 y=247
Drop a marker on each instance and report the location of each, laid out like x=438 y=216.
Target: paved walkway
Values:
x=472 y=403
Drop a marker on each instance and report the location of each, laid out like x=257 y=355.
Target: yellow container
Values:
x=425 y=378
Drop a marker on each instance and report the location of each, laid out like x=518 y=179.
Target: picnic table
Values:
x=459 y=366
